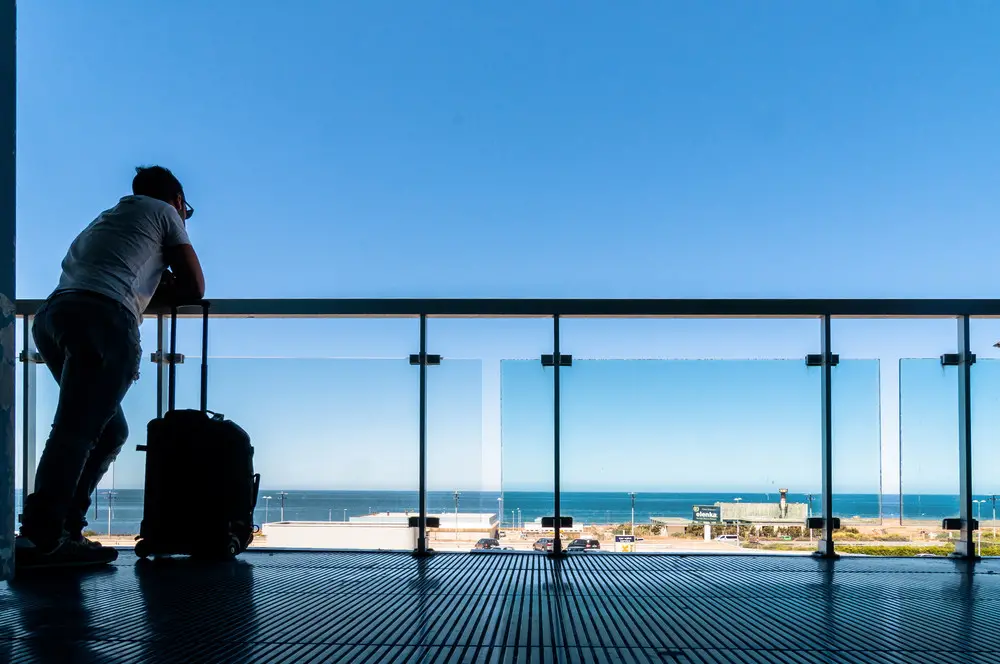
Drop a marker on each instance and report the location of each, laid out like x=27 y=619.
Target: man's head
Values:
x=159 y=183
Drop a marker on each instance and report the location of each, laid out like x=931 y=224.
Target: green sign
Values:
x=707 y=513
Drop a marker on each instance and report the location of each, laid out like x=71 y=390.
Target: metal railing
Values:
x=823 y=310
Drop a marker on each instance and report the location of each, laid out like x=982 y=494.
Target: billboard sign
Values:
x=707 y=513
x=624 y=543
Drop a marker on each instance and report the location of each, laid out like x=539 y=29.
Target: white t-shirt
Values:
x=120 y=254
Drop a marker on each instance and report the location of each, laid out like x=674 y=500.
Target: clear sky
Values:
x=432 y=149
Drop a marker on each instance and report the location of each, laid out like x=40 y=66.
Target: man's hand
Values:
x=166 y=292
x=167 y=280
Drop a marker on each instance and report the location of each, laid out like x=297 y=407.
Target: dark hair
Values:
x=156 y=182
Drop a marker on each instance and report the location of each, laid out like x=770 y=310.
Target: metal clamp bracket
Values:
x=955 y=359
x=166 y=358
x=817 y=522
x=34 y=358
x=565 y=522
x=550 y=360
x=816 y=359
x=428 y=360
x=431 y=522
x=955 y=523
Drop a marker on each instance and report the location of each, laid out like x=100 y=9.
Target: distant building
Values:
x=470 y=526
x=535 y=528
x=779 y=514
x=765 y=514
x=380 y=531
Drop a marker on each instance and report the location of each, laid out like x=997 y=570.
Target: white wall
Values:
x=326 y=535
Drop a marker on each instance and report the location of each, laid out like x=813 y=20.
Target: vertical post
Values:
x=8 y=320
x=557 y=361
x=899 y=433
x=422 y=498
x=826 y=549
x=28 y=390
x=881 y=508
x=162 y=382
x=204 y=356
x=965 y=547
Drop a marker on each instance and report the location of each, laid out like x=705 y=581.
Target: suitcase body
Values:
x=200 y=485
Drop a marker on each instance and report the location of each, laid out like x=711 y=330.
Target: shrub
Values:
x=896 y=551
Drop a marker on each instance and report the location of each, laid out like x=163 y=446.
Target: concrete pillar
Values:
x=8 y=321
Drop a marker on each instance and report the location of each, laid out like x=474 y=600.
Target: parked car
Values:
x=542 y=544
x=726 y=538
x=583 y=545
x=487 y=543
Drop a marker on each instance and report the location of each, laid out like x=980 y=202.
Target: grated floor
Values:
x=492 y=607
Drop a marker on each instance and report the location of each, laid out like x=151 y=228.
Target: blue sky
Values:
x=437 y=149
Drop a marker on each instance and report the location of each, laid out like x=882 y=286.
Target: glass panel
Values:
x=857 y=443
x=858 y=498
x=463 y=490
x=928 y=451
x=526 y=423
x=986 y=452
x=725 y=439
x=335 y=442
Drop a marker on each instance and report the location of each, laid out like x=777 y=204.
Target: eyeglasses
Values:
x=188 y=210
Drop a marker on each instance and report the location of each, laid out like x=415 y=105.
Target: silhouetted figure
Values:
x=87 y=332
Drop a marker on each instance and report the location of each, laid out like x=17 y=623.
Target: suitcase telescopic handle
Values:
x=172 y=364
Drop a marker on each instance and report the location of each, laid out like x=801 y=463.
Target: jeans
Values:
x=91 y=345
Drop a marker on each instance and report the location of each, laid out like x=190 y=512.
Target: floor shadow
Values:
x=423 y=584
x=197 y=610
x=55 y=618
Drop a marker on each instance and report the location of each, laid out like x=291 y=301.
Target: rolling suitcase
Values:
x=200 y=486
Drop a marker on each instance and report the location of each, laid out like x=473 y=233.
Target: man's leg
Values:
x=98 y=463
x=100 y=361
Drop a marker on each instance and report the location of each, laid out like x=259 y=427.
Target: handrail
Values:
x=583 y=308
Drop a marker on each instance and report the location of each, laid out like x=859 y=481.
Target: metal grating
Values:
x=497 y=607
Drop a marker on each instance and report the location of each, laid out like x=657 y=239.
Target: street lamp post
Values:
x=111 y=497
x=345 y=515
x=282 y=494
x=979 y=530
x=457 y=494
x=993 y=499
x=737 y=501
x=500 y=510
x=632 y=496
x=267 y=504
x=809 y=497
x=520 y=519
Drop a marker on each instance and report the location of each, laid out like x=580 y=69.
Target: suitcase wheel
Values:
x=234 y=547
x=143 y=549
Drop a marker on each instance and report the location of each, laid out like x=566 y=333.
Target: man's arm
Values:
x=188 y=280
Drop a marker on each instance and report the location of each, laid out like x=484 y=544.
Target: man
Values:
x=87 y=332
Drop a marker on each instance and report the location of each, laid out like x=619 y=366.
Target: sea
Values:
x=124 y=506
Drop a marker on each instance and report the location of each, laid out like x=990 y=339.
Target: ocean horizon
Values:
x=586 y=507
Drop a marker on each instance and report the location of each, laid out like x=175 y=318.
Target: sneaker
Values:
x=83 y=541
x=66 y=553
